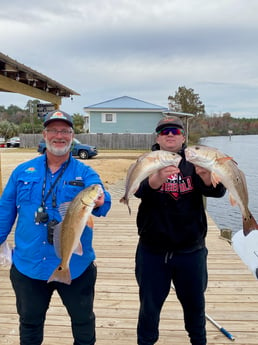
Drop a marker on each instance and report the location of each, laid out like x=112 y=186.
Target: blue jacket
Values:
x=22 y=196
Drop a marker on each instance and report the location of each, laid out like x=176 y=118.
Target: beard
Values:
x=59 y=151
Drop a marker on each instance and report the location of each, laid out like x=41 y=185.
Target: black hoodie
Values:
x=172 y=218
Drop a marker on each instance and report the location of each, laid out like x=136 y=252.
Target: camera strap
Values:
x=52 y=186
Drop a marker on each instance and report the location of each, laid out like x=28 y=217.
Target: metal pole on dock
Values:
x=222 y=330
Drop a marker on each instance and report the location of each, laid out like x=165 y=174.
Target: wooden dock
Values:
x=231 y=298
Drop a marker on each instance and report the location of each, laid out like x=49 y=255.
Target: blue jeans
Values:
x=32 y=301
x=154 y=274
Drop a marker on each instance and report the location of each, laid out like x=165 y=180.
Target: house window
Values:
x=108 y=118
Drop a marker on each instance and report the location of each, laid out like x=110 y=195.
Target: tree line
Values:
x=203 y=125
x=14 y=120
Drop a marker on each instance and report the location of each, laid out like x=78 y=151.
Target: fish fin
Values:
x=151 y=159
x=232 y=200
x=90 y=222
x=125 y=201
x=141 y=157
x=78 y=250
x=63 y=208
x=222 y=160
x=249 y=224
x=62 y=275
x=242 y=176
x=57 y=239
x=215 y=179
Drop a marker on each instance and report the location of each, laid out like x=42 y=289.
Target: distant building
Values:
x=123 y=115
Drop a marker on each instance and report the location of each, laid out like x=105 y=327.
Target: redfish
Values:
x=147 y=164
x=77 y=215
x=225 y=170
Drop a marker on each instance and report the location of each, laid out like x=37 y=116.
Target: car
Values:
x=13 y=142
x=83 y=151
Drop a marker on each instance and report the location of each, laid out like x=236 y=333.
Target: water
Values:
x=244 y=150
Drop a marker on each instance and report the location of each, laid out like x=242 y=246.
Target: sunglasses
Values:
x=173 y=130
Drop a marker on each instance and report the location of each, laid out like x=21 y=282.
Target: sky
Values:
x=104 y=49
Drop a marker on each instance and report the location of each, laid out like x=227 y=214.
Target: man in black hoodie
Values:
x=172 y=227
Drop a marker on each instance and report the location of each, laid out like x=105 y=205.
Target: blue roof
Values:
x=126 y=102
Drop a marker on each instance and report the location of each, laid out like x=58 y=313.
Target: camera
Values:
x=41 y=216
x=50 y=230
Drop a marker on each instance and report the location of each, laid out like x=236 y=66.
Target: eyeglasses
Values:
x=173 y=130
x=64 y=132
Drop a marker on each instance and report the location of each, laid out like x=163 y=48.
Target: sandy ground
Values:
x=111 y=166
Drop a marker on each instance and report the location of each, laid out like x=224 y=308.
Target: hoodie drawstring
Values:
x=168 y=256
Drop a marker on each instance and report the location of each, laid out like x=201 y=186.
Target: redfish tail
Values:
x=90 y=222
x=249 y=224
x=125 y=201
x=61 y=275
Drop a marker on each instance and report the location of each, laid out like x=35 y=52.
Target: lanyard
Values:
x=52 y=186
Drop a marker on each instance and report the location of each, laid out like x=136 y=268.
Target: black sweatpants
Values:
x=33 y=297
x=154 y=274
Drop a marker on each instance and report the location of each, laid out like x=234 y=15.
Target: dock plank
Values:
x=231 y=297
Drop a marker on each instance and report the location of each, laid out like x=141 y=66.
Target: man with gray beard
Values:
x=35 y=194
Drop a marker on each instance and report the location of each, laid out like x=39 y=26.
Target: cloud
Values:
x=108 y=48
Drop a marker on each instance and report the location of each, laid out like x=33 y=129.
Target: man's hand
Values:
x=157 y=179
x=204 y=174
x=100 y=201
